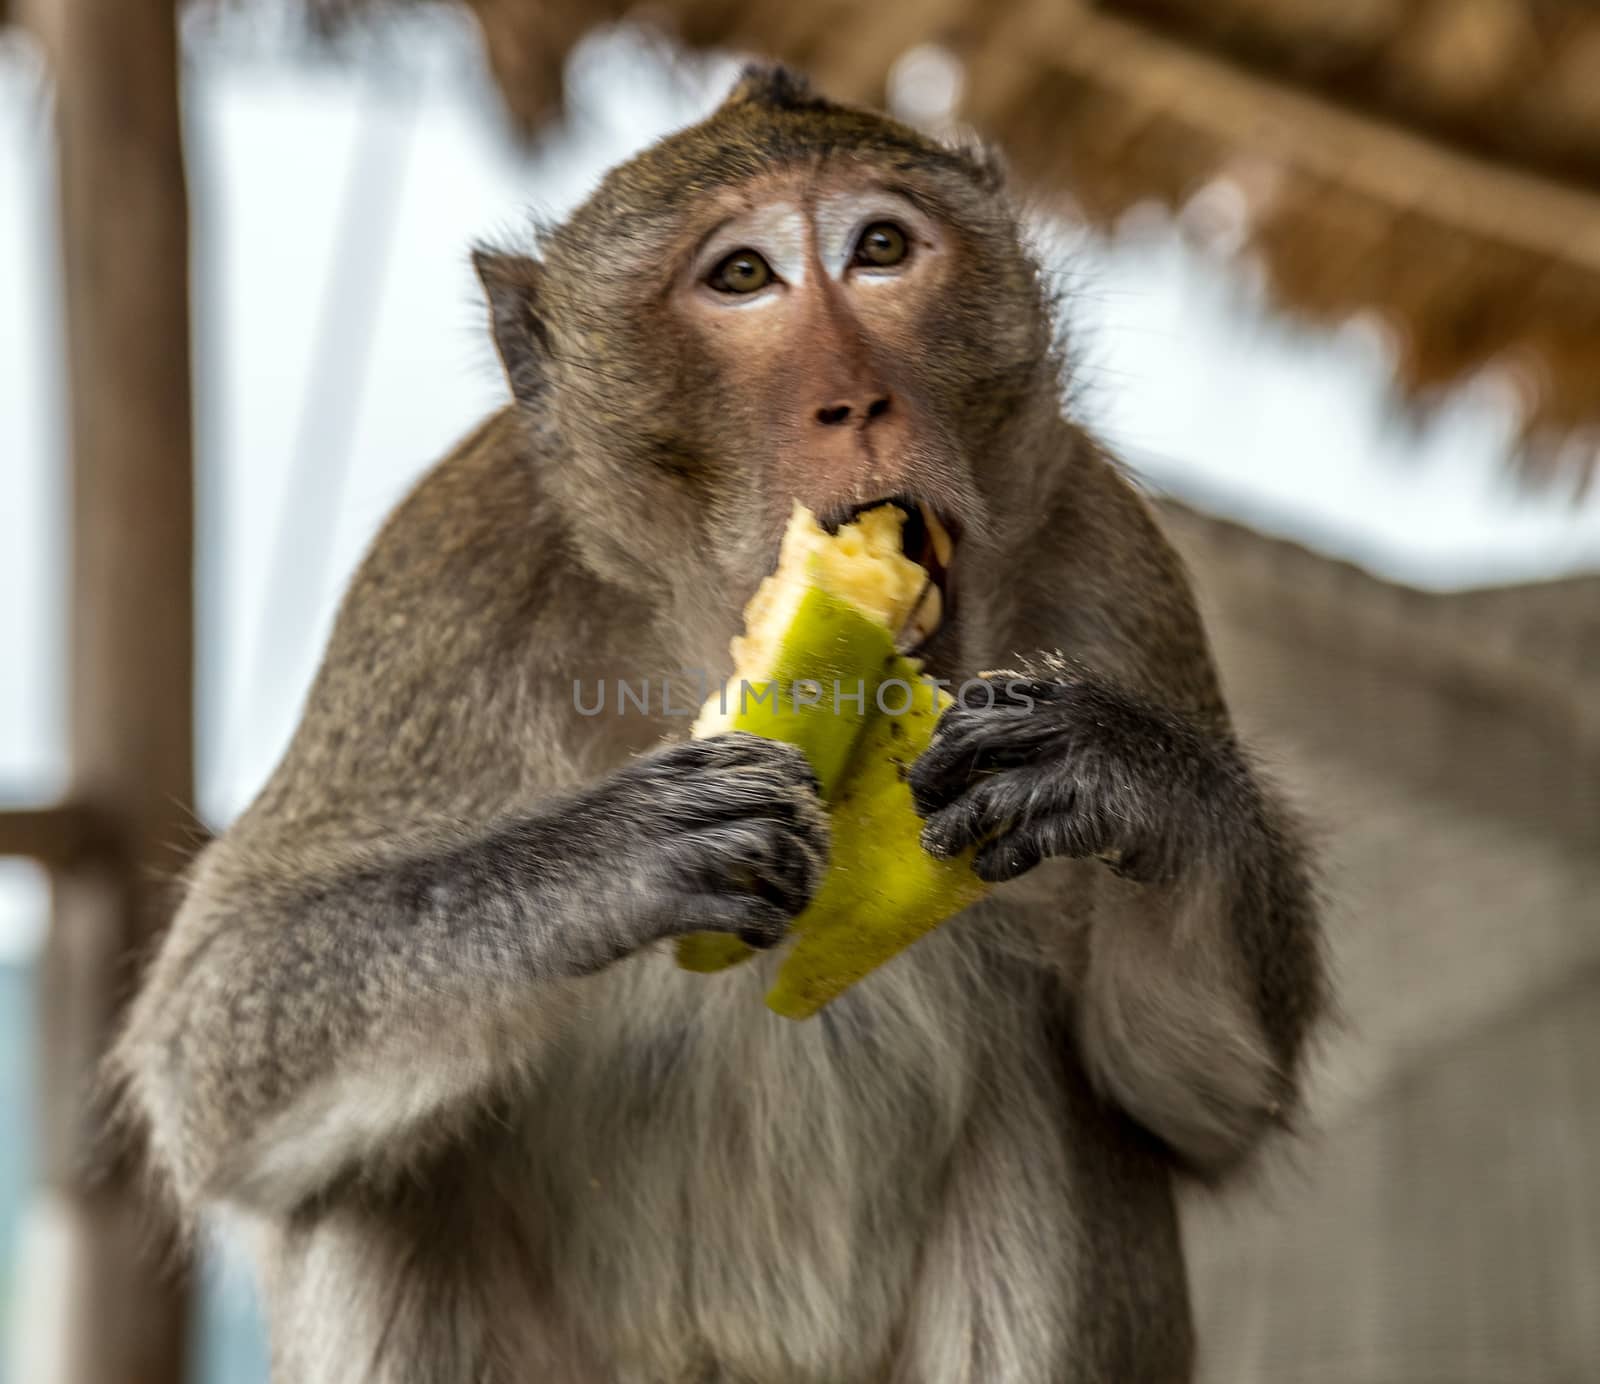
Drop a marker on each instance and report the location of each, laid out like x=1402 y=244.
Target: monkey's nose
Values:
x=860 y=413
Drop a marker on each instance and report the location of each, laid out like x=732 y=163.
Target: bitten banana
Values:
x=818 y=638
x=827 y=618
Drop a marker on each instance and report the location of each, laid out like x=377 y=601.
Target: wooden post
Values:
x=117 y=1312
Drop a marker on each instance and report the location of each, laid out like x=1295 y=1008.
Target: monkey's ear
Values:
x=773 y=84
x=987 y=163
x=511 y=284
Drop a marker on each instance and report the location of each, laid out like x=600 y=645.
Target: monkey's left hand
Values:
x=1068 y=765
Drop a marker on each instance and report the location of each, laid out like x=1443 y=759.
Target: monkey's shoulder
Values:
x=476 y=559
x=448 y=673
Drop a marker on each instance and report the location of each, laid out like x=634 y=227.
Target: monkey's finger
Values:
x=783 y=865
x=736 y=795
x=997 y=742
x=742 y=750
x=773 y=757
x=765 y=930
x=969 y=743
x=969 y=819
x=1011 y=855
x=729 y=751
x=794 y=871
x=990 y=807
x=949 y=766
x=755 y=922
x=1016 y=852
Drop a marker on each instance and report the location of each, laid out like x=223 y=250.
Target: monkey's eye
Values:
x=744 y=271
x=882 y=246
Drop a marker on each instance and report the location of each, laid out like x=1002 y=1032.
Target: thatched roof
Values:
x=1438 y=163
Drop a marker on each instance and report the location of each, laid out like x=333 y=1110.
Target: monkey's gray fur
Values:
x=417 y=1030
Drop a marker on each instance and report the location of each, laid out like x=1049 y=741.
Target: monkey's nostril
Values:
x=877 y=408
x=831 y=417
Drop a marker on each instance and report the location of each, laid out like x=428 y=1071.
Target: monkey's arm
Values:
x=1199 y=973
x=319 y=1016
x=393 y=932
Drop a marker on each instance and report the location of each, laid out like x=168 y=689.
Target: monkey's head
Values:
x=791 y=300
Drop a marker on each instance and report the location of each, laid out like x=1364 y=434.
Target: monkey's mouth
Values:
x=928 y=538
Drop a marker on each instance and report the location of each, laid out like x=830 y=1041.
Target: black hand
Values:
x=726 y=834
x=1066 y=766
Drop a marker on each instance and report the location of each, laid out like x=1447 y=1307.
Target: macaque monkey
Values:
x=417 y=1031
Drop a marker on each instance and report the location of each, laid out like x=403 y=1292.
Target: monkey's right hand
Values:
x=725 y=834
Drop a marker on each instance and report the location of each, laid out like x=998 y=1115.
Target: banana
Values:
x=824 y=622
x=882 y=891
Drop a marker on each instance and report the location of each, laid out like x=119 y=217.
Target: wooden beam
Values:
x=119 y=1311
x=58 y=837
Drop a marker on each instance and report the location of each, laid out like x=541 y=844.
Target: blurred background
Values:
x=1332 y=270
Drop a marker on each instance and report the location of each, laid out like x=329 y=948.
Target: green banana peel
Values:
x=832 y=646
x=882 y=891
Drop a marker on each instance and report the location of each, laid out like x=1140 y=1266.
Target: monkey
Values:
x=416 y=1034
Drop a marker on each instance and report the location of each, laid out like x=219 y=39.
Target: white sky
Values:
x=1204 y=393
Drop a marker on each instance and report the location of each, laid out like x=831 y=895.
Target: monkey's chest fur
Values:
x=729 y=1195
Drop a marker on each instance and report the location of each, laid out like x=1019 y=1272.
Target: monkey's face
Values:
x=808 y=305
x=792 y=300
